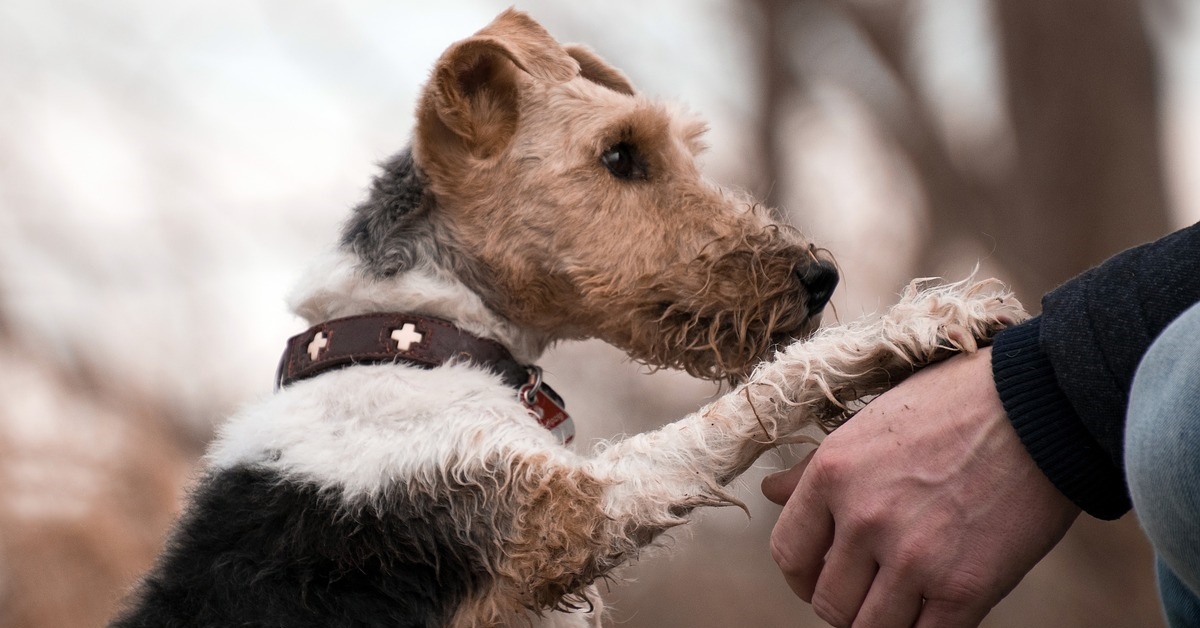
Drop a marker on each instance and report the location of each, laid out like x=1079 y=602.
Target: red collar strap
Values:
x=421 y=341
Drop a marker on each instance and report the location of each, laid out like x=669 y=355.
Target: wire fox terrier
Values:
x=404 y=475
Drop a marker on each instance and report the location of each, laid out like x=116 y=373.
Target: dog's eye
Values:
x=623 y=161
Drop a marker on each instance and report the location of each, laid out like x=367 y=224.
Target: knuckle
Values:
x=966 y=590
x=911 y=557
x=828 y=466
x=922 y=550
x=784 y=555
x=866 y=522
x=869 y=522
x=795 y=571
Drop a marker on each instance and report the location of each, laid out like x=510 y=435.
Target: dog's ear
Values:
x=596 y=70
x=474 y=92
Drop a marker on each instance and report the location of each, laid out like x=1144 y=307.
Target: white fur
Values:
x=335 y=286
x=559 y=521
x=363 y=429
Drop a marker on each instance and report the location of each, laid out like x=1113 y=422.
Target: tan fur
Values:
x=577 y=520
x=529 y=235
x=551 y=541
x=671 y=268
x=593 y=68
x=559 y=544
x=675 y=270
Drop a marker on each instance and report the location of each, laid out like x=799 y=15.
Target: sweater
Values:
x=1064 y=376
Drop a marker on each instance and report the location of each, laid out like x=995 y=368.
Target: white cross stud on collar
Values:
x=406 y=336
x=318 y=342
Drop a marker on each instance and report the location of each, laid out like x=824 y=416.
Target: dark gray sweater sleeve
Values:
x=1064 y=376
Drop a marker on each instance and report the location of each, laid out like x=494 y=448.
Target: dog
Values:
x=410 y=470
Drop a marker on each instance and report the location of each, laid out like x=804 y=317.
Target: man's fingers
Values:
x=844 y=582
x=894 y=600
x=799 y=550
x=945 y=614
x=801 y=538
x=778 y=487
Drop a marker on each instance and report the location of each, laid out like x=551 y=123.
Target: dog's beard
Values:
x=729 y=312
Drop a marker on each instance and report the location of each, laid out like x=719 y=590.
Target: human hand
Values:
x=923 y=510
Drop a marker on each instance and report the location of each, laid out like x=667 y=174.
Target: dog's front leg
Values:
x=577 y=521
x=655 y=479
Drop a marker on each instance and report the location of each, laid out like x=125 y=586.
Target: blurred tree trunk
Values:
x=1086 y=180
x=1082 y=99
x=962 y=208
x=778 y=80
x=1082 y=95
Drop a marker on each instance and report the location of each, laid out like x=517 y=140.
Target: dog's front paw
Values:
x=962 y=316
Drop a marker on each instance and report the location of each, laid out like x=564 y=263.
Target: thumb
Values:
x=778 y=487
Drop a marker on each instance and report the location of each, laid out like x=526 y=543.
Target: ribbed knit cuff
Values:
x=1049 y=427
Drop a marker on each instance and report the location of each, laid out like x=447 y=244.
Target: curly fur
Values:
x=731 y=306
x=391 y=495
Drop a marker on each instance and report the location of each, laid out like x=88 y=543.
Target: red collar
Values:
x=421 y=341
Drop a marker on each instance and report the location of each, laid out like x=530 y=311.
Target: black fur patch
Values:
x=390 y=230
x=253 y=550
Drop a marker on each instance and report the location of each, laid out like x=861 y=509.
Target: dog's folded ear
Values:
x=597 y=70
x=474 y=92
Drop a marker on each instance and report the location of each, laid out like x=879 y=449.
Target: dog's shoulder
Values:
x=351 y=429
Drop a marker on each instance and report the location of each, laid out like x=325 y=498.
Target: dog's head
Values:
x=575 y=207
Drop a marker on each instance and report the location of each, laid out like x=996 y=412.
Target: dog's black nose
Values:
x=819 y=279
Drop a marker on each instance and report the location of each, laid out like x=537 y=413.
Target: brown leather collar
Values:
x=421 y=341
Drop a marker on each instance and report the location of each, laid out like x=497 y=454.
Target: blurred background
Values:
x=168 y=168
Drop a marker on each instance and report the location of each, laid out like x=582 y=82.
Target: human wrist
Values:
x=1048 y=426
